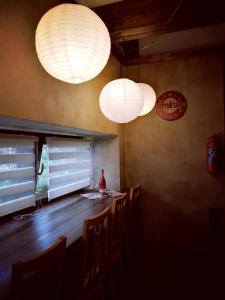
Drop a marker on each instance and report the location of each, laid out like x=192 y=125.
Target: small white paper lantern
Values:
x=121 y=100
x=72 y=43
x=149 y=98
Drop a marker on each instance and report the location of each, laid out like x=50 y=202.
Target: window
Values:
x=17 y=172
x=70 y=166
x=65 y=166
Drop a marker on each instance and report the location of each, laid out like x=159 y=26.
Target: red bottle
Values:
x=102 y=183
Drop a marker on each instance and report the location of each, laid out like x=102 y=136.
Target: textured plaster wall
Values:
x=169 y=157
x=26 y=89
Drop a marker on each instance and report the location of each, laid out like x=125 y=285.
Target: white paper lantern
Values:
x=149 y=98
x=121 y=100
x=72 y=43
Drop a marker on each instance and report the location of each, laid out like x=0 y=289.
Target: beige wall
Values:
x=169 y=157
x=28 y=92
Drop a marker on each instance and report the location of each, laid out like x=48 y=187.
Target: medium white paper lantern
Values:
x=121 y=100
x=72 y=43
x=149 y=98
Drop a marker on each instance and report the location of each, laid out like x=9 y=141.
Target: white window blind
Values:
x=17 y=173
x=70 y=166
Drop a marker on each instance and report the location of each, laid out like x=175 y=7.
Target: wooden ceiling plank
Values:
x=130 y=14
x=136 y=19
x=131 y=19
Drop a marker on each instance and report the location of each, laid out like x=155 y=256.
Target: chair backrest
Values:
x=41 y=276
x=134 y=205
x=95 y=242
x=118 y=227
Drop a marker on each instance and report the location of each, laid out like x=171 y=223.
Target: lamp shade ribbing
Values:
x=121 y=100
x=72 y=43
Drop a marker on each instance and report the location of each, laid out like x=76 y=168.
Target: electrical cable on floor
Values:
x=21 y=217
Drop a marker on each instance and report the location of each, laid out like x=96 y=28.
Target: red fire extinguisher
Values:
x=213 y=154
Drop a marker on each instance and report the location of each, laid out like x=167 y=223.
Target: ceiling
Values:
x=145 y=31
x=96 y=3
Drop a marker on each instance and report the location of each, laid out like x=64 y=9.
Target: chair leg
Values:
x=132 y=245
x=109 y=283
x=125 y=251
x=116 y=276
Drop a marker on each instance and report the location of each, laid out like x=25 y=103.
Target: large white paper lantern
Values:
x=72 y=43
x=149 y=98
x=121 y=100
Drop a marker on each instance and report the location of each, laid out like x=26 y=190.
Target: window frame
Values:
x=41 y=140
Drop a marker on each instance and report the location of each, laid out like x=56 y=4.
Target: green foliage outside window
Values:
x=42 y=181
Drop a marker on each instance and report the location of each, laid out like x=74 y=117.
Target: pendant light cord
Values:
x=120 y=69
x=164 y=28
x=138 y=73
x=155 y=39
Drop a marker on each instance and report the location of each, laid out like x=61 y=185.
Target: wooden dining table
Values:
x=27 y=236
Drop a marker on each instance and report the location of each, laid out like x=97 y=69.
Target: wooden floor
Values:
x=165 y=277
x=177 y=276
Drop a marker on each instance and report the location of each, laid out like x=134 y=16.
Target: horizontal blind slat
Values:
x=66 y=155
x=18 y=203
x=17 y=188
x=9 y=143
x=70 y=177
x=62 y=190
x=17 y=173
x=67 y=144
x=79 y=145
x=69 y=166
x=17 y=158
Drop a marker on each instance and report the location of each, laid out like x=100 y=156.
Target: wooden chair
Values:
x=118 y=224
x=41 y=276
x=134 y=231
x=116 y=243
x=95 y=249
x=134 y=207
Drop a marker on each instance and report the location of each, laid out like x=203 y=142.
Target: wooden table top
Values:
x=20 y=239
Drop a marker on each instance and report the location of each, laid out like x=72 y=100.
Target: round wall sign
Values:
x=171 y=105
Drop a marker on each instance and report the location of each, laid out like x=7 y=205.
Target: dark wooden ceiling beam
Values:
x=172 y=55
x=131 y=20
x=135 y=19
